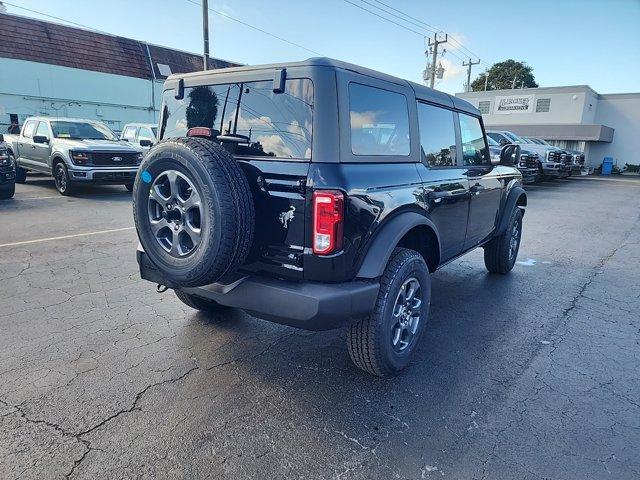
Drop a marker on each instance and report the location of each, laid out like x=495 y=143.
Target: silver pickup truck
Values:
x=73 y=151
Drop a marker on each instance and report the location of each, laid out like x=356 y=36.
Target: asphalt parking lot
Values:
x=532 y=375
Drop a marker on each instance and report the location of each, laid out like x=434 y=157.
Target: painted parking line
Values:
x=64 y=237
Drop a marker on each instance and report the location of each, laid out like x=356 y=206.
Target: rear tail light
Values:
x=328 y=221
x=200 y=132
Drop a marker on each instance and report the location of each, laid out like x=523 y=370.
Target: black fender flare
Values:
x=391 y=232
x=510 y=203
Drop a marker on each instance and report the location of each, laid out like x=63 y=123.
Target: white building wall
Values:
x=30 y=88
x=621 y=112
x=568 y=105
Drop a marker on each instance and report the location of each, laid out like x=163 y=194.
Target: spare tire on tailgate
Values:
x=193 y=210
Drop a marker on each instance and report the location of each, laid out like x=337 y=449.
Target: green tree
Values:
x=203 y=107
x=501 y=75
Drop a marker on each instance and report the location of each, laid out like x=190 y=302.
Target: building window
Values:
x=484 y=107
x=542 y=105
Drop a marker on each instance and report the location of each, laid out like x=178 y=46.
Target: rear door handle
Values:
x=477 y=188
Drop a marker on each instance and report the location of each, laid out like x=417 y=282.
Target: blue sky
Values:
x=567 y=42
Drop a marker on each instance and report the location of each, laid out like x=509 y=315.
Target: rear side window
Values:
x=28 y=129
x=42 y=130
x=379 y=121
x=474 y=148
x=271 y=124
x=437 y=136
x=129 y=134
x=145 y=134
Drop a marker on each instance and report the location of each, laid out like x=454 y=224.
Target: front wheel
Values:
x=500 y=254
x=62 y=180
x=383 y=344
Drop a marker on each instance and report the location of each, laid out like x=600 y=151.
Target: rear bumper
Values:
x=306 y=305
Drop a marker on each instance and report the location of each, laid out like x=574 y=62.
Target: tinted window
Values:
x=129 y=134
x=28 y=129
x=474 y=148
x=269 y=124
x=379 y=121
x=42 y=130
x=437 y=136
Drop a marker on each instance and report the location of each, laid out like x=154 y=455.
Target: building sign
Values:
x=514 y=104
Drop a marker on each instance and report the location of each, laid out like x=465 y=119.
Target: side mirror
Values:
x=145 y=143
x=40 y=139
x=510 y=155
x=504 y=142
x=1 y=138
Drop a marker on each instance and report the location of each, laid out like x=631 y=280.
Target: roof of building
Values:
x=47 y=42
x=518 y=91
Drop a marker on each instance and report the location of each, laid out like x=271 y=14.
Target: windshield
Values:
x=514 y=138
x=155 y=131
x=81 y=130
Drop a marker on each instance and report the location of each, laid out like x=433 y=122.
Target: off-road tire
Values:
x=7 y=191
x=199 y=303
x=369 y=340
x=228 y=226
x=497 y=257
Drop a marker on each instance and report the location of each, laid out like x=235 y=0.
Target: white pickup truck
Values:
x=73 y=151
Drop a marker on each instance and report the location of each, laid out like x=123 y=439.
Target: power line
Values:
x=405 y=27
x=428 y=26
x=394 y=22
x=57 y=18
x=384 y=18
x=190 y=1
x=398 y=16
x=242 y=22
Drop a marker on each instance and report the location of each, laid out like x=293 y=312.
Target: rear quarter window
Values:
x=29 y=128
x=278 y=125
x=379 y=121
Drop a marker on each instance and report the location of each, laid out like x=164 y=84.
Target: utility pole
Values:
x=434 y=46
x=205 y=33
x=469 y=65
x=486 y=80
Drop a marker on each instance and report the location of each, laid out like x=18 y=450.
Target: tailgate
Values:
x=278 y=189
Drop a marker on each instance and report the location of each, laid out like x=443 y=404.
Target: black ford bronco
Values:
x=320 y=195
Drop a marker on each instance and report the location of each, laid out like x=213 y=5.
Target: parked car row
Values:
x=549 y=161
x=76 y=151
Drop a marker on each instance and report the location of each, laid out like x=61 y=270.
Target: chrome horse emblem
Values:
x=286 y=217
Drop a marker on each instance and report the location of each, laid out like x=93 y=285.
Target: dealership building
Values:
x=60 y=71
x=576 y=118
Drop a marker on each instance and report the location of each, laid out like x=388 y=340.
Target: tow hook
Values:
x=161 y=288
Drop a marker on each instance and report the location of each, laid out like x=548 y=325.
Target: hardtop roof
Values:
x=422 y=92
